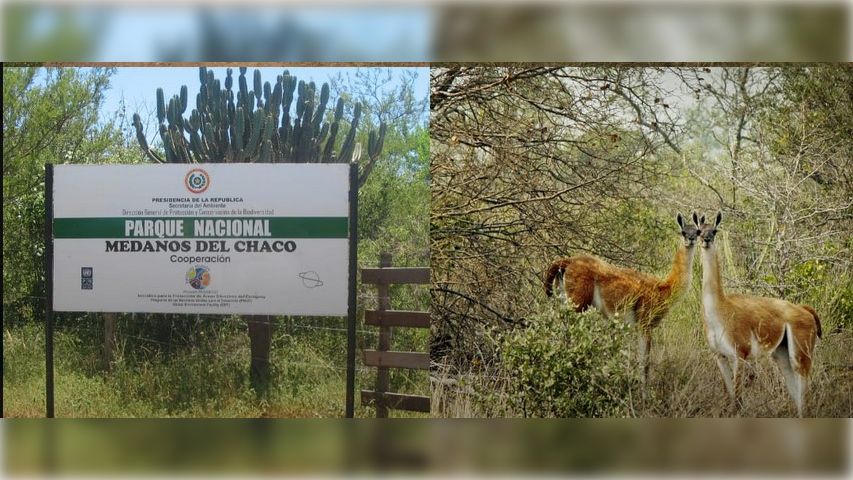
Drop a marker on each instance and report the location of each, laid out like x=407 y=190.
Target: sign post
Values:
x=353 y=268
x=48 y=329
x=259 y=239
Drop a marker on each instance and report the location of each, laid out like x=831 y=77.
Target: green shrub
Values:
x=825 y=286
x=567 y=364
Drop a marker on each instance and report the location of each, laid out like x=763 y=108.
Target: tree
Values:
x=50 y=115
x=528 y=164
x=809 y=147
x=394 y=204
x=778 y=160
x=826 y=94
x=64 y=34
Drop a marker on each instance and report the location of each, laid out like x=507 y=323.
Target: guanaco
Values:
x=740 y=327
x=591 y=282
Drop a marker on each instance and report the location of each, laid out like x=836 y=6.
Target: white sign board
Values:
x=201 y=238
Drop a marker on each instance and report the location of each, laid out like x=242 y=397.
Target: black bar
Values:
x=48 y=275
x=351 y=304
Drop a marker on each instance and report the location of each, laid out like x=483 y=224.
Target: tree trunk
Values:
x=110 y=329
x=260 y=338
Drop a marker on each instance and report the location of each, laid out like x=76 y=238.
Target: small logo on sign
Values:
x=198 y=277
x=310 y=279
x=197 y=180
x=86 y=278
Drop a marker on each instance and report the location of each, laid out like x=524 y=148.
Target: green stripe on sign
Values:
x=211 y=227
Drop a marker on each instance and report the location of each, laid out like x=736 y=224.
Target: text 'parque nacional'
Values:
x=200 y=228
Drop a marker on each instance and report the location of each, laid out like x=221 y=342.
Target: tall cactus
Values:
x=258 y=125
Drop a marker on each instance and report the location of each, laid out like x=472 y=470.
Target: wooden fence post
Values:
x=383 y=358
x=382 y=373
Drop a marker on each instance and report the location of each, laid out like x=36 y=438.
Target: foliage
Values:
x=63 y=35
x=50 y=115
x=829 y=288
x=529 y=164
x=819 y=103
x=566 y=364
x=394 y=204
x=776 y=160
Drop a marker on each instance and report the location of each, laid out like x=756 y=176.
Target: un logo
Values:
x=197 y=180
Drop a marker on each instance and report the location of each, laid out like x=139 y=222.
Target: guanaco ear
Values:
x=719 y=219
x=702 y=220
x=679 y=220
x=695 y=219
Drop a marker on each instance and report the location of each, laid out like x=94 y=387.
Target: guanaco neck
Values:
x=712 y=283
x=680 y=276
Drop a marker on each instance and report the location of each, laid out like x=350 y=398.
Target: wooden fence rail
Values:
x=383 y=357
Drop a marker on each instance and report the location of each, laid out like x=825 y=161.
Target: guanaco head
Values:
x=688 y=232
x=707 y=231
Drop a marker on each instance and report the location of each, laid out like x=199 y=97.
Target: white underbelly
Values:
x=718 y=337
x=754 y=347
x=598 y=300
x=626 y=314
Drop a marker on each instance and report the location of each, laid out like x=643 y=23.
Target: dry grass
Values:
x=685 y=381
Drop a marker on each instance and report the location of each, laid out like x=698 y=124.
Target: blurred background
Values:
x=157 y=449
x=642 y=31
x=165 y=32
x=329 y=30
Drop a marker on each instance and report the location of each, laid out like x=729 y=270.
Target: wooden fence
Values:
x=385 y=318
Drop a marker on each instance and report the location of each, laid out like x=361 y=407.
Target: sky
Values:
x=138 y=85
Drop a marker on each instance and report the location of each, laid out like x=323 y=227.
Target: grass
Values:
x=684 y=380
x=206 y=378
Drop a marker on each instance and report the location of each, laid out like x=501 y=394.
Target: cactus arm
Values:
x=258 y=87
x=374 y=148
x=184 y=99
x=265 y=152
x=349 y=142
x=161 y=106
x=256 y=127
x=229 y=80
